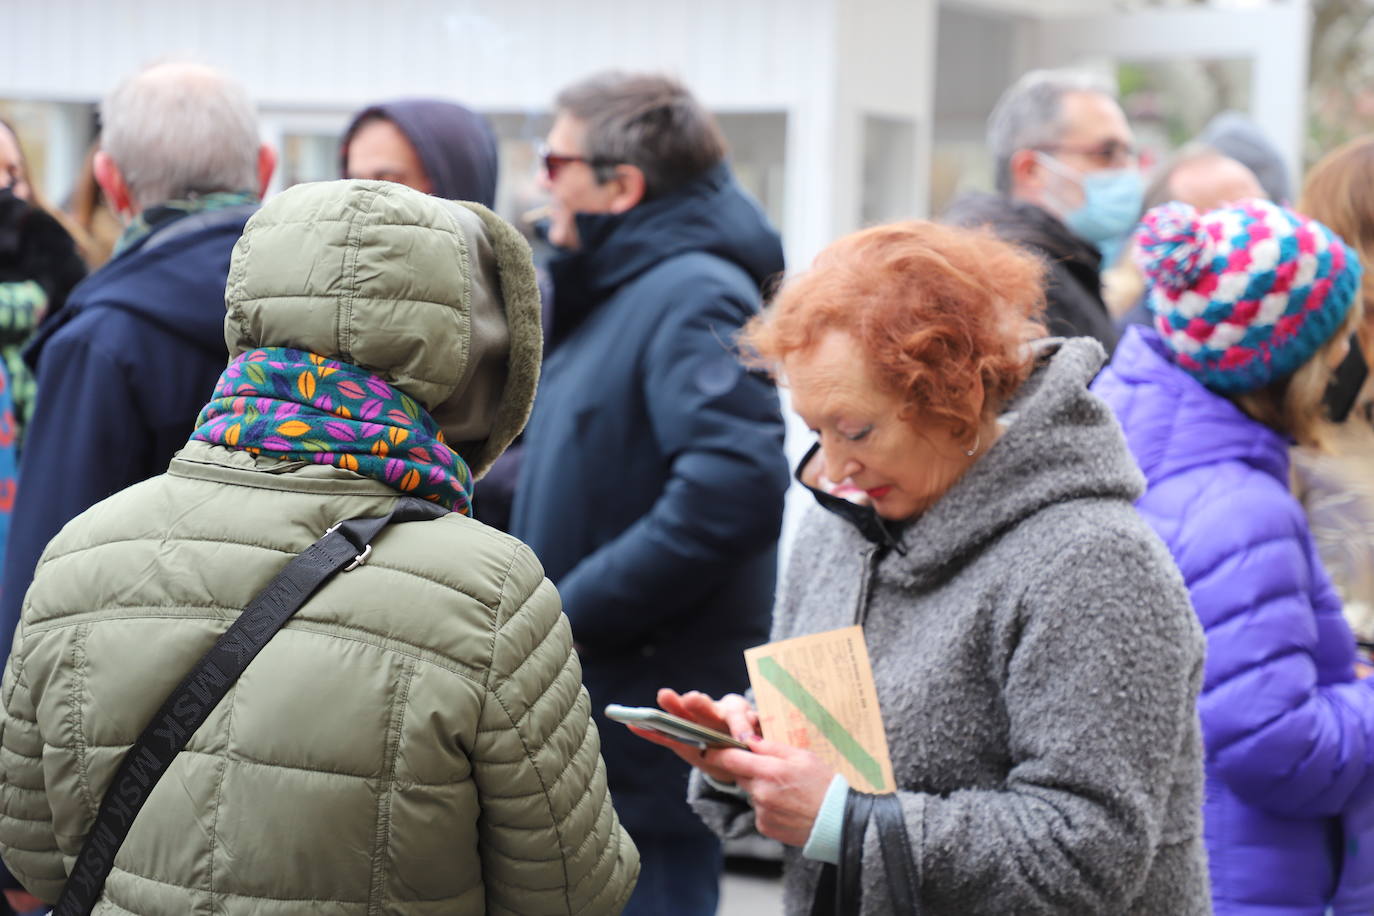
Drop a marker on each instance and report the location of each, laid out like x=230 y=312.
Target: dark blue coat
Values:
x=653 y=479
x=122 y=372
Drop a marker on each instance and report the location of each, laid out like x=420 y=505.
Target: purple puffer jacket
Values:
x=1289 y=731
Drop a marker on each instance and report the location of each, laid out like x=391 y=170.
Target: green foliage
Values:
x=1132 y=78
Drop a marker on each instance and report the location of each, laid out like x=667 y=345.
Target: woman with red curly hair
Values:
x=1036 y=659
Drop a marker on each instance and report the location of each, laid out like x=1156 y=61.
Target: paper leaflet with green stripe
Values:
x=839 y=736
x=818 y=692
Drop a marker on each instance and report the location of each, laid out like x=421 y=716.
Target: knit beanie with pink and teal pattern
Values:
x=1244 y=295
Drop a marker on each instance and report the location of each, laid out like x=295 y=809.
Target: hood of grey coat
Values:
x=436 y=297
x=1062 y=443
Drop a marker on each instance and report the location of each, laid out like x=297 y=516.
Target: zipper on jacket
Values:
x=871 y=557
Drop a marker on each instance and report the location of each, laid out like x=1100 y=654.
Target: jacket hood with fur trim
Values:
x=436 y=297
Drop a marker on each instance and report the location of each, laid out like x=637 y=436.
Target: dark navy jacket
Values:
x=653 y=479
x=123 y=370
x=1073 y=284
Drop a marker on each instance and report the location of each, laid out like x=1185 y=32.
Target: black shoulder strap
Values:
x=857 y=809
x=840 y=889
x=898 y=862
x=343 y=547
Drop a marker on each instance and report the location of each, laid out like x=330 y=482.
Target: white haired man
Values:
x=125 y=366
x=1069 y=189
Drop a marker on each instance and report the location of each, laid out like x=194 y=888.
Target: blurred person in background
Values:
x=1198 y=175
x=91 y=212
x=124 y=367
x=450 y=151
x=1254 y=307
x=653 y=478
x=40 y=263
x=1237 y=135
x=415 y=740
x=1336 y=485
x=1035 y=657
x=1205 y=179
x=1068 y=188
x=433 y=146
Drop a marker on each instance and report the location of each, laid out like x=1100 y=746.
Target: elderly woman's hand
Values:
x=785 y=784
x=732 y=714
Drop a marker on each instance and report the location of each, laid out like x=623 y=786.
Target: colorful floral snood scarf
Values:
x=291 y=404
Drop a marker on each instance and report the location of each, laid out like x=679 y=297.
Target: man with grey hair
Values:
x=123 y=368
x=1068 y=188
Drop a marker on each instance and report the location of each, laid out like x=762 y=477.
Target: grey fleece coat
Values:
x=1037 y=662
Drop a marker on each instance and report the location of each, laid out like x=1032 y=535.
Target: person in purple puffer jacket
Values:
x=1254 y=306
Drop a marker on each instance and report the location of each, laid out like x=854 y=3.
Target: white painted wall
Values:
x=886 y=69
x=310 y=62
x=340 y=53
x=827 y=64
x=879 y=61
x=1273 y=37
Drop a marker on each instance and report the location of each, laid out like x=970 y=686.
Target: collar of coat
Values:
x=711 y=215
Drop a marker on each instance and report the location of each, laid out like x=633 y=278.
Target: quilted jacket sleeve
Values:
x=550 y=840
x=721 y=430
x=27 y=842
x=1286 y=724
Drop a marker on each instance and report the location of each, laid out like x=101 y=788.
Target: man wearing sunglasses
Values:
x=1068 y=187
x=653 y=478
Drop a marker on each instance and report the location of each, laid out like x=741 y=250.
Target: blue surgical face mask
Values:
x=1111 y=202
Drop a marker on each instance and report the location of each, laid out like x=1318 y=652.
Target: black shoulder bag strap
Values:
x=858 y=807
x=898 y=862
x=840 y=891
x=343 y=547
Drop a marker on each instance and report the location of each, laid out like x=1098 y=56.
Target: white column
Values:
x=1278 y=83
x=886 y=73
x=873 y=58
x=809 y=205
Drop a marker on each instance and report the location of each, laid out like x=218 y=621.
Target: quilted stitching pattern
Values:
x=417 y=740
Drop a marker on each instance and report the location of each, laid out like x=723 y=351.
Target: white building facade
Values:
x=840 y=113
x=833 y=107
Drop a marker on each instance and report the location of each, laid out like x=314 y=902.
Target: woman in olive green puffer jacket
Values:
x=416 y=740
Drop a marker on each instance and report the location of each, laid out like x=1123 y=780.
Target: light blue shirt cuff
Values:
x=823 y=845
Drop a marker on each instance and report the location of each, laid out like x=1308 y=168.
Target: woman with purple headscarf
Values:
x=437 y=147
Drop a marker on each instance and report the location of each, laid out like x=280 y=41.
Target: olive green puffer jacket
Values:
x=416 y=740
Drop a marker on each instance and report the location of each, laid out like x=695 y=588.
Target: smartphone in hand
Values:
x=671 y=726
